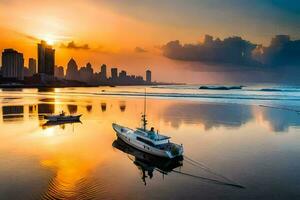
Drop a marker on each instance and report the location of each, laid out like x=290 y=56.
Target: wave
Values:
x=272 y=90
x=220 y=87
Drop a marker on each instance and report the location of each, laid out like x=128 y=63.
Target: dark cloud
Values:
x=232 y=50
x=235 y=51
x=140 y=50
x=73 y=45
x=281 y=52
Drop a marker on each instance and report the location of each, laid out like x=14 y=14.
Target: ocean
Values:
x=247 y=137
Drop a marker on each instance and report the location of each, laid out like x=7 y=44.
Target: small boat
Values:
x=62 y=117
x=148 y=141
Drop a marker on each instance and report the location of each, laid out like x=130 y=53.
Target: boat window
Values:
x=145 y=141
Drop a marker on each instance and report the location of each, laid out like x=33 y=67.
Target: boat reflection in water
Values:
x=147 y=163
x=59 y=123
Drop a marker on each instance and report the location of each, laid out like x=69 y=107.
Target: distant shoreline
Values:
x=82 y=85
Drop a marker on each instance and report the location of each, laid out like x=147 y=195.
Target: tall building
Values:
x=32 y=66
x=122 y=75
x=103 y=75
x=26 y=72
x=12 y=64
x=86 y=73
x=148 y=76
x=114 y=74
x=59 y=72
x=46 y=59
x=72 y=70
x=89 y=71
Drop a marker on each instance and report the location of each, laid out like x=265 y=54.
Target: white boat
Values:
x=148 y=141
x=62 y=118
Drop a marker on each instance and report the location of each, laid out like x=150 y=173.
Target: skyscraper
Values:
x=86 y=73
x=12 y=64
x=32 y=66
x=122 y=75
x=114 y=74
x=72 y=70
x=103 y=75
x=46 y=59
x=59 y=72
x=148 y=76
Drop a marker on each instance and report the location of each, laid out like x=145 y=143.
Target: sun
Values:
x=49 y=40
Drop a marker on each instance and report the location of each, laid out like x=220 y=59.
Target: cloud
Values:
x=232 y=51
x=73 y=45
x=241 y=61
x=140 y=50
x=283 y=53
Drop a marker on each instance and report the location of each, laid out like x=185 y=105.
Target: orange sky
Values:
x=112 y=33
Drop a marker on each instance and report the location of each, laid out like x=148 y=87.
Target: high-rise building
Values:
x=32 y=66
x=86 y=73
x=122 y=75
x=46 y=59
x=103 y=75
x=148 y=76
x=59 y=72
x=26 y=72
x=12 y=64
x=72 y=70
x=114 y=74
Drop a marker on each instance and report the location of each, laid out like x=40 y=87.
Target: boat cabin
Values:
x=150 y=137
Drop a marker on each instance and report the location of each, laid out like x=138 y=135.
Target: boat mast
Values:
x=144 y=120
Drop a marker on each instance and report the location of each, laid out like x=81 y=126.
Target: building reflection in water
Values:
x=46 y=108
x=46 y=89
x=72 y=108
x=89 y=108
x=103 y=107
x=10 y=112
x=122 y=106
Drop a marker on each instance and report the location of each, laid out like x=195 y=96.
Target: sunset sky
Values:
x=132 y=34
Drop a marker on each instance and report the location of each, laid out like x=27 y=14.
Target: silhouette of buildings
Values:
x=32 y=66
x=72 y=70
x=59 y=72
x=43 y=72
x=148 y=76
x=46 y=59
x=103 y=73
x=114 y=74
x=122 y=75
x=12 y=64
x=26 y=72
x=86 y=73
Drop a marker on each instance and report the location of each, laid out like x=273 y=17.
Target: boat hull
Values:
x=63 y=118
x=131 y=140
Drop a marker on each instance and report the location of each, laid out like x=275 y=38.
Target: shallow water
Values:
x=252 y=145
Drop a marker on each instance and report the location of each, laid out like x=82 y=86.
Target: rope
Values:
x=200 y=165
x=209 y=180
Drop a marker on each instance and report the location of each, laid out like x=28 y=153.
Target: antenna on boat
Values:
x=144 y=120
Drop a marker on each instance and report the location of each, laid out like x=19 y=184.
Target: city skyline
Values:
x=127 y=34
x=46 y=67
